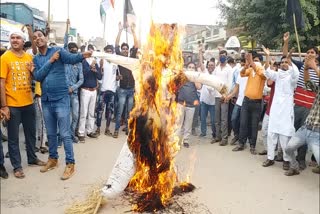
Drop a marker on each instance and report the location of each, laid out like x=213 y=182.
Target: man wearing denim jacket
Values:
x=309 y=133
x=50 y=71
x=74 y=76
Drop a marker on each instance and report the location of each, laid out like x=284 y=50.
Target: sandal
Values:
x=19 y=173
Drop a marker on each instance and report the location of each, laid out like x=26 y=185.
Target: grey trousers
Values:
x=221 y=119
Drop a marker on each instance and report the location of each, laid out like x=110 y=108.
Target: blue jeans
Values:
x=74 y=103
x=27 y=116
x=303 y=136
x=1 y=152
x=235 y=120
x=204 y=109
x=106 y=98
x=123 y=95
x=57 y=116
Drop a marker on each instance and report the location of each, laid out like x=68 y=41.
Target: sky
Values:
x=85 y=16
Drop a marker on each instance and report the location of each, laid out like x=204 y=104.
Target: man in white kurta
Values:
x=281 y=118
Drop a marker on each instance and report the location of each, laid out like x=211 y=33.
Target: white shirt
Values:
x=207 y=94
x=242 y=82
x=109 y=82
x=225 y=75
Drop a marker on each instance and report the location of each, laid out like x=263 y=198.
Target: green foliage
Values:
x=265 y=21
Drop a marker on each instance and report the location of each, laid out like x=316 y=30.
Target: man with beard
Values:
x=50 y=71
x=17 y=102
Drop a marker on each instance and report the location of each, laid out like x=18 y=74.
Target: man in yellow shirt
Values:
x=17 y=101
x=252 y=102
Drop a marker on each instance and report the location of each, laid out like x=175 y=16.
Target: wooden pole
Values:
x=296 y=33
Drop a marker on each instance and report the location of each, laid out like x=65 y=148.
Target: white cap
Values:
x=18 y=32
x=242 y=51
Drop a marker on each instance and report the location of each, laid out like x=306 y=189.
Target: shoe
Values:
x=98 y=131
x=292 y=172
x=115 y=134
x=234 y=141
x=92 y=135
x=253 y=150
x=316 y=170
x=186 y=145
x=213 y=141
x=68 y=171
x=107 y=132
x=263 y=152
x=19 y=173
x=51 y=164
x=302 y=165
x=268 y=163
x=43 y=150
x=36 y=149
x=286 y=165
x=75 y=140
x=37 y=163
x=202 y=135
x=7 y=155
x=223 y=143
x=125 y=129
x=218 y=139
x=3 y=172
x=193 y=132
x=240 y=147
x=81 y=139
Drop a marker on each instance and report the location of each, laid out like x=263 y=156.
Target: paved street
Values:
x=227 y=182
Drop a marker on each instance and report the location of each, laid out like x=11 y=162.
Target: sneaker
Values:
x=116 y=134
x=240 y=147
x=286 y=165
x=186 y=145
x=234 y=141
x=316 y=170
x=81 y=139
x=125 y=129
x=3 y=172
x=68 y=171
x=51 y=164
x=75 y=140
x=268 y=163
x=202 y=135
x=98 y=131
x=92 y=135
x=292 y=172
x=213 y=141
x=37 y=163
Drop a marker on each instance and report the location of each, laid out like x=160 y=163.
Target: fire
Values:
x=153 y=120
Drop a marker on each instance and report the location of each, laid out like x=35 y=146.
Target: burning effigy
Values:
x=146 y=164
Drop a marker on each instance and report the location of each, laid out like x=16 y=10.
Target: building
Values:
x=22 y=13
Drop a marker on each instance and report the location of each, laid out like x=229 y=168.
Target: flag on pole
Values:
x=104 y=6
x=294 y=9
x=129 y=16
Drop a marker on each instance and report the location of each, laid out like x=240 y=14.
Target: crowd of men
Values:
x=73 y=90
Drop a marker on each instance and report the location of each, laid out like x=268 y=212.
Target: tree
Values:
x=265 y=20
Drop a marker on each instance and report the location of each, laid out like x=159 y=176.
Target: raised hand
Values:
x=266 y=50
x=55 y=56
x=286 y=36
x=120 y=26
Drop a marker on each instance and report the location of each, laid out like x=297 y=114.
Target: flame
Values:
x=152 y=121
